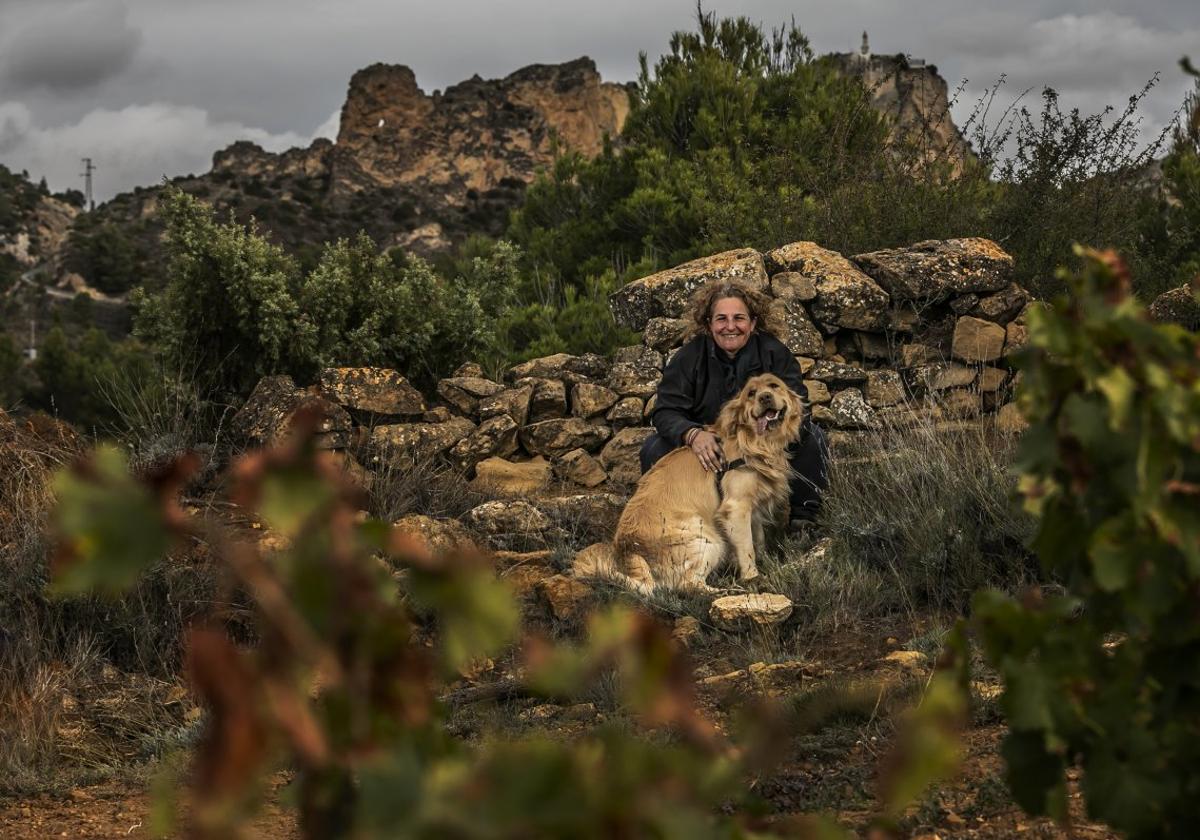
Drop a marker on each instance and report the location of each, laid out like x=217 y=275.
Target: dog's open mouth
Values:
x=769 y=420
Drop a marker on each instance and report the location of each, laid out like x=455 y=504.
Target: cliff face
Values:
x=916 y=98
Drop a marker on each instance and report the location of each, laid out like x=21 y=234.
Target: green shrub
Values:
x=237 y=308
x=104 y=254
x=1103 y=678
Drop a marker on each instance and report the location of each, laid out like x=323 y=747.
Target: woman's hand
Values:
x=708 y=449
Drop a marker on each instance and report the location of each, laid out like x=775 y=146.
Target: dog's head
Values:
x=765 y=409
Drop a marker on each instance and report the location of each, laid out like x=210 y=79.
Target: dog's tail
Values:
x=600 y=560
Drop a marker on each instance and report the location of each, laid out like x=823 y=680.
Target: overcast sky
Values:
x=153 y=87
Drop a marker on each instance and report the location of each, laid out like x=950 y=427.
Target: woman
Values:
x=731 y=343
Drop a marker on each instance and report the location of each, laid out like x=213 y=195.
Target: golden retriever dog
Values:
x=683 y=521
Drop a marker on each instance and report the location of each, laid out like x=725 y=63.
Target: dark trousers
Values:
x=810 y=461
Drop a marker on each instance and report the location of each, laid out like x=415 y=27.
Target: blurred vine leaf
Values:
x=110 y=527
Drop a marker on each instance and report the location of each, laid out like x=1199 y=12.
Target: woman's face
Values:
x=730 y=324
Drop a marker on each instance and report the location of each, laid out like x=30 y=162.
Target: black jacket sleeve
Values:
x=675 y=402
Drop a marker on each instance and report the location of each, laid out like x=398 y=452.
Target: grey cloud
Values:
x=71 y=48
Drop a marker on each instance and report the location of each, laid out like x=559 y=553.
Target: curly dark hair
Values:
x=707 y=296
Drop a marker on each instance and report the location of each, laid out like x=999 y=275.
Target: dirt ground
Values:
x=830 y=768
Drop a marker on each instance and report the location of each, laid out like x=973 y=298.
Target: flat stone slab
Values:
x=735 y=612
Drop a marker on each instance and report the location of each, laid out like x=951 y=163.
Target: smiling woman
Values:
x=732 y=343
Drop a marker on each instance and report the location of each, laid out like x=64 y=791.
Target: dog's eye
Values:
x=774 y=386
x=753 y=392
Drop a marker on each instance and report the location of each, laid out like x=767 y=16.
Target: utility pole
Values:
x=88 y=169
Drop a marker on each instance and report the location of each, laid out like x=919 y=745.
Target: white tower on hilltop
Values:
x=864 y=52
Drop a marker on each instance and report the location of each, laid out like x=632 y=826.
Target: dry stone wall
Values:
x=887 y=336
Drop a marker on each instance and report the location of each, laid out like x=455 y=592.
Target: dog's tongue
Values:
x=762 y=424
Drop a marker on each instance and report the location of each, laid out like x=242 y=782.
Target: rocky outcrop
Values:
x=1179 y=306
x=915 y=98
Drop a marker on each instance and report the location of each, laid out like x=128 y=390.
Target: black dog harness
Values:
x=730 y=467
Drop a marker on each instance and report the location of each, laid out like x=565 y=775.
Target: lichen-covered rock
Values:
x=375 y=390
x=837 y=373
x=639 y=355
x=818 y=391
x=1179 y=306
x=871 y=345
x=963 y=304
x=977 y=340
x=935 y=270
x=554 y=438
x=1002 y=306
x=548 y=401
x=437 y=414
x=741 y=612
x=588 y=400
x=662 y=334
x=1016 y=336
x=634 y=380
x=845 y=296
x=566 y=597
x=473 y=369
x=668 y=293
x=794 y=328
x=512 y=525
x=268 y=414
x=418 y=441
x=912 y=355
x=465 y=392
x=792 y=285
x=579 y=467
x=496 y=436
x=939 y=377
x=585 y=517
x=620 y=456
x=512 y=478
x=884 y=388
x=849 y=410
x=625 y=412
x=512 y=401
x=589 y=365
x=436 y=536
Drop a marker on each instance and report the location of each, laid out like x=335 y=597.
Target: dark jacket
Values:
x=700 y=378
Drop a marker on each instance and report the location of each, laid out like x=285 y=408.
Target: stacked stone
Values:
x=893 y=334
x=901 y=332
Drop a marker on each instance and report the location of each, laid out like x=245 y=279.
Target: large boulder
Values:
x=559 y=366
x=511 y=525
x=844 y=296
x=794 y=328
x=939 y=377
x=375 y=390
x=548 y=400
x=620 y=456
x=662 y=334
x=837 y=373
x=628 y=411
x=634 y=380
x=579 y=467
x=884 y=388
x=977 y=340
x=588 y=400
x=1177 y=306
x=494 y=437
x=849 y=410
x=512 y=401
x=268 y=414
x=554 y=438
x=585 y=517
x=419 y=441
x=668 y=293
x=1003 y=306
x=937 y=269
x=465 y=392
x=436 y=536
x=516 y=479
